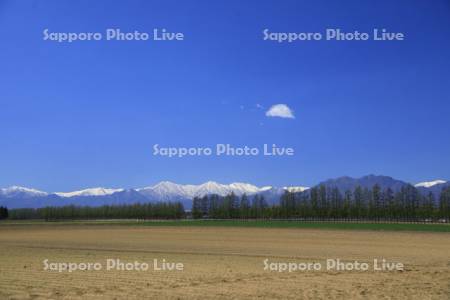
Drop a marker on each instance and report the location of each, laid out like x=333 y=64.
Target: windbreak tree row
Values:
x=329 y=203
x=163 y=210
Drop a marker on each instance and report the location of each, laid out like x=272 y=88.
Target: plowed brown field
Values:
x=219 y=263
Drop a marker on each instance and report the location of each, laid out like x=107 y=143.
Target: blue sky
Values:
x=88 y=113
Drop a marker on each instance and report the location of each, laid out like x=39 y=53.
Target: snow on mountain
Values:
x=296 y=189
x=166 y=189
x=98 y=191
x=16 y=190
x=265 y=188
x=212 y=187
x=244 y=188
x=428 y=184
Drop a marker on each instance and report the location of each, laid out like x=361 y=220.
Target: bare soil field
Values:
x=219 y=263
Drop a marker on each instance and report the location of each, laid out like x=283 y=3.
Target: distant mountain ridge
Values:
x=349 y=183
x=18 y=197
x=21 y=197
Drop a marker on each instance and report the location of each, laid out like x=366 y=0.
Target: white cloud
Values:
x=281 y=111
x=259 y=106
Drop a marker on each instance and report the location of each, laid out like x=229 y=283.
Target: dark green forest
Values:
x=135 y=211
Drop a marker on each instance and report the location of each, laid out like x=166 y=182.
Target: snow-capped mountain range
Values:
x=167 y=189
x=18 y=197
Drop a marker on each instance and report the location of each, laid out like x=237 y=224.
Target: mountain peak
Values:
x=348 y=183
x=211 y=183
x=20 y=189
x=165 y=183
x=244 y=188
x=96 y=191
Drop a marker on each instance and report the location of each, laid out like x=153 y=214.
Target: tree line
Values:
x=162 y=210
x=229 y=207
x=329 y=203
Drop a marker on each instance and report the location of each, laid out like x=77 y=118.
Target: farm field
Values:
x=221 y=262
